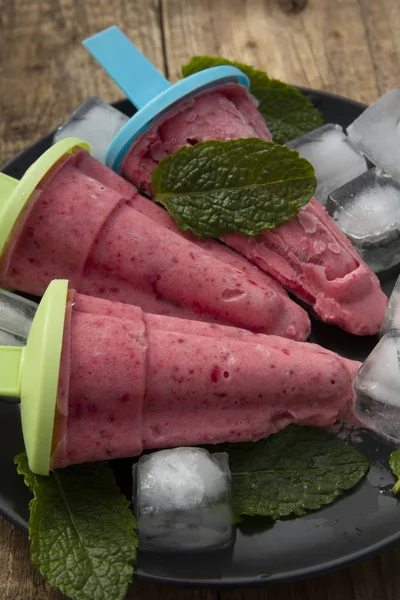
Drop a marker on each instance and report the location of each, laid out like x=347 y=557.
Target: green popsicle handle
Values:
x=11 y=358
x=32 y=374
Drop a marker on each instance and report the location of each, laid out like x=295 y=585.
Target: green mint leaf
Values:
x=287 y=112
x=394 y=463
x=81 y=530
x=293 y=471
x=245 y=186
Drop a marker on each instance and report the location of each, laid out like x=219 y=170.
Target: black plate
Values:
x=358 y=524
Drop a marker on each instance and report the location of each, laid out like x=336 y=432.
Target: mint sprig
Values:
x=394 y=463
x=287 y=112
x=293 y=471
x=244 y=186
x=81 y=530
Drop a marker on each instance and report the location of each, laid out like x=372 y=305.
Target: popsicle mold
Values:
x=31 y=373
x=101 y=380
x=145 y=87
x=15 y=194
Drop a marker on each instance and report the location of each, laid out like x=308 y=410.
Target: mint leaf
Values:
x=394 y=463
x=245 y=185
x=290 y=472
x=81 y=530
x=287 y=112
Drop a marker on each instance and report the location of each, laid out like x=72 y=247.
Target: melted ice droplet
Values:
x=291 y=331
x=234 y=294
x=334 y=248
x=307 y=221
x=319 y=247
x=191 y=116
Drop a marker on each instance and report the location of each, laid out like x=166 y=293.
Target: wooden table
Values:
x=349 y=47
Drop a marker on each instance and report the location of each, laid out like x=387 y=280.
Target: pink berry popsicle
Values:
x=88 y=225
x=308 y=255
x=312 y=258
x=228 y=112
x=96 y=170
x=131 y=381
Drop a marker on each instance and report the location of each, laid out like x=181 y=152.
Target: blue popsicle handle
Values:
x=131 y=71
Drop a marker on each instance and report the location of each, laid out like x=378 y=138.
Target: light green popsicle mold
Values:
x=32 y=372
x=15 y=194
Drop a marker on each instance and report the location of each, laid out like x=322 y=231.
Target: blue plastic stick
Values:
x=131 y=71
x=145 y=87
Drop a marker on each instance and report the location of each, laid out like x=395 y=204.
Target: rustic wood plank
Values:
x=45 y=72
x=349 y=47
x=20 y=581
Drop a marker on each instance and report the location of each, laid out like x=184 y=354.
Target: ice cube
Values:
x=367 y=210
x=182 y=500
x=94 y=121
x=377 y=388
x=333 y=157
x=392 y=316
x=16 y=315
x=376 y=133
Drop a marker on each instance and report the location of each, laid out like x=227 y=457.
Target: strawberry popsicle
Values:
x=308 y=254
x=131 y=381
x=87 y=224
x=228 y=112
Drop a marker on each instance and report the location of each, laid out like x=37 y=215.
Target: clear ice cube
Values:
x=16 y=316
x=333 y=157
x=367 y=210
x=392 y=316
x=376 y=133
x=182 y=500
x=94 y=121
x=377 y=388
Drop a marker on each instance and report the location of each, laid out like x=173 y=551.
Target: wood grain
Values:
x=349 y=47
x=45 y=72
x=20 y=581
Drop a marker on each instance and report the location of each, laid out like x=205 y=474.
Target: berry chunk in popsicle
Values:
x=83 y=222
x=102 y=380
x=308 y=254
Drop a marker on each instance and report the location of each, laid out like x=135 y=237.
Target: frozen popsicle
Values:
x=83 y=222
x=308 y=255
x=118 y=381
